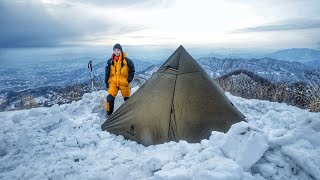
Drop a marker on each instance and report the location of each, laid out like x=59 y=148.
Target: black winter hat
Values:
x=117 y=46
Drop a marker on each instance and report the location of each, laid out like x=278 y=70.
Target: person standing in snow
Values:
x=119 y=73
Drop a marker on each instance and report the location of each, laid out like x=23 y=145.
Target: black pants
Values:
x=110 y=103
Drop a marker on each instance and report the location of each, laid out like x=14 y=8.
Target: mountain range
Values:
x=307 y=56
x=272 y=69
x=302 y=55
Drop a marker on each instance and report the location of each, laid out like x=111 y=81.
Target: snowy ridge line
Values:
x=66 y=142
x=274 y=70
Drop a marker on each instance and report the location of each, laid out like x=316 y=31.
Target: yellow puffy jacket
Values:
x=119 y=72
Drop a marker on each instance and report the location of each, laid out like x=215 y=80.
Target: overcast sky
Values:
x=214 y=23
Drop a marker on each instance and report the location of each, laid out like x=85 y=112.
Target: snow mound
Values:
x=251 y=144
x=66 y=142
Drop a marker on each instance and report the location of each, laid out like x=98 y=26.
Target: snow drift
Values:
x=66 y=142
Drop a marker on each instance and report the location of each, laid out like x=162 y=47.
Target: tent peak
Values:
x=181 y=48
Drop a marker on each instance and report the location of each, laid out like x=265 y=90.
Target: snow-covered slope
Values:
x=66 y=142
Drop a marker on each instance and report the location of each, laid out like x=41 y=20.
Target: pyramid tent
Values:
x=179 y=102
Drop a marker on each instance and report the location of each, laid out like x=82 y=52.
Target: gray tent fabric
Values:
x=179 y=102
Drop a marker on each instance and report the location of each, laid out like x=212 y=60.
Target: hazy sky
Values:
x=214 y=23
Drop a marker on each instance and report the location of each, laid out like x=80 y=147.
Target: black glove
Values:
x=107 y=85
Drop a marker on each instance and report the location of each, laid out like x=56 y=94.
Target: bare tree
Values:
x=28 y=101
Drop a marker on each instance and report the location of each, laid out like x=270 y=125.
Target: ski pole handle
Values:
x=90 y=65
x=91 y=75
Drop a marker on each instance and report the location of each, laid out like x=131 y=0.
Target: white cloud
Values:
x=181 y=21
x=212 y=22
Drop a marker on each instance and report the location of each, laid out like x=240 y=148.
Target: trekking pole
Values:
x=91 y=75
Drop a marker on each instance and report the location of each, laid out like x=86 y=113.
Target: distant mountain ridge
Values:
x=302 y=55
x=307 y=56
x=272 y=69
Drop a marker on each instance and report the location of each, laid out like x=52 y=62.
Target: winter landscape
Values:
x=278 y=141
x=265 y=57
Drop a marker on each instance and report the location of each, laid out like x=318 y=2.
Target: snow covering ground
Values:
x=66 y=142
